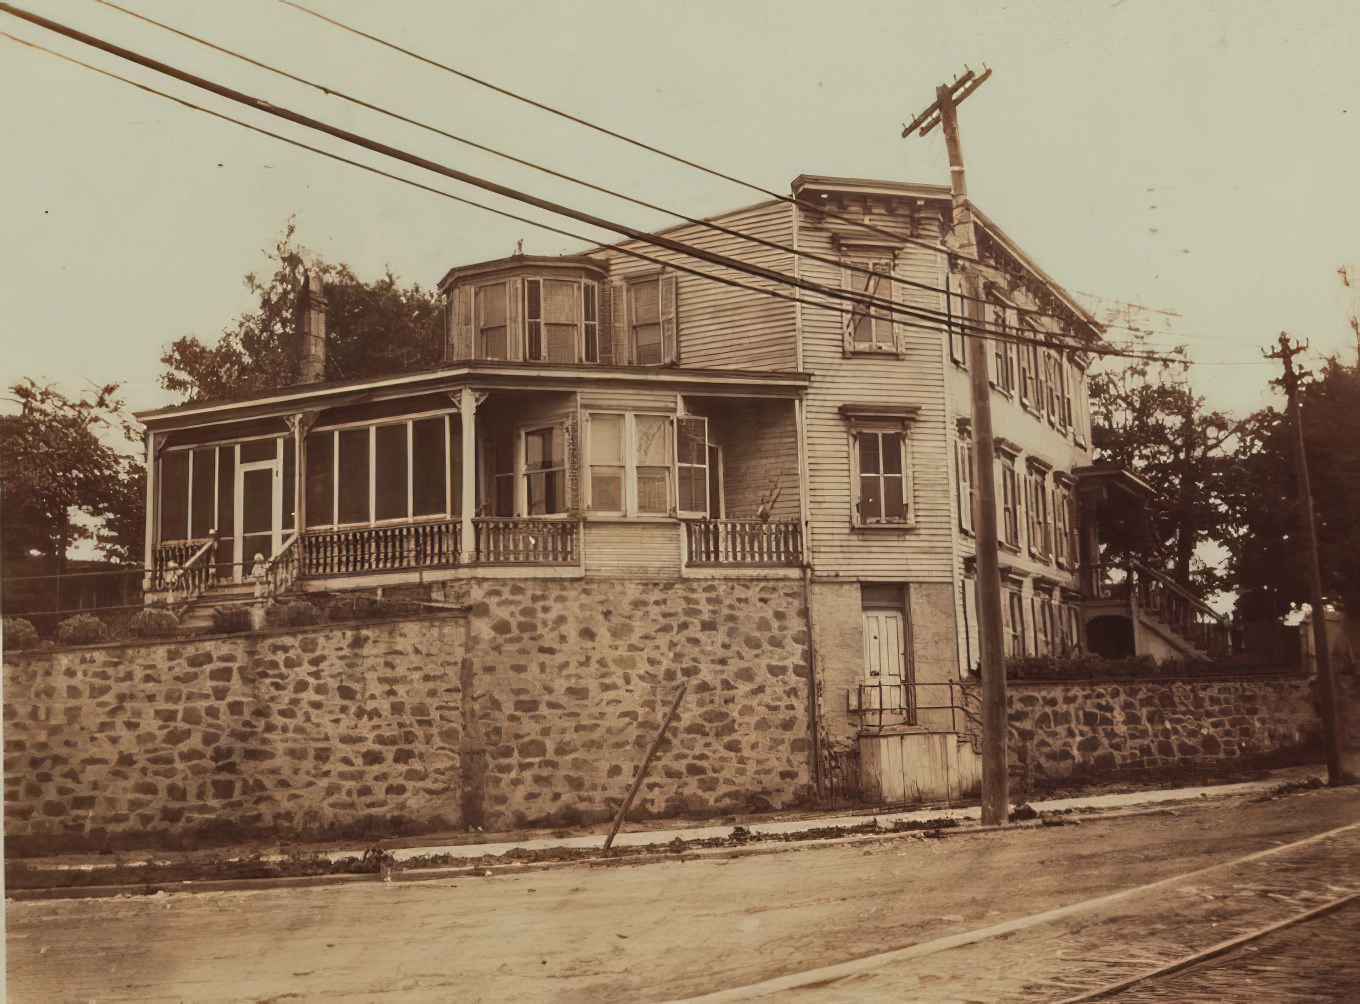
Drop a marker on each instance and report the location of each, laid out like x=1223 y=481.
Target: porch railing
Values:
x=170 y=558
x=527 y=541
x=743 y=542
x=1181 y=610
x=379 y=548
x=283 y=568
x=186 y=581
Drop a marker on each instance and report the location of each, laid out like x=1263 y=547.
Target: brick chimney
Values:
x=312 y=364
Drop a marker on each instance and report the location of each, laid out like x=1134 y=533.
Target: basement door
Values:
x=259 y=504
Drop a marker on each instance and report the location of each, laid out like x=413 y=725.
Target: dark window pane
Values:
x=320 y=479
x=174 y=495
x=201 y=516
x=353 y=501
x=259 y=449
x=894 y=506
x=257 y=502
x=428 y=454
x=456 y=465
x=868 y=453
x=390 y=472
x=892 y=452
x=226 y=513
x=870 y=505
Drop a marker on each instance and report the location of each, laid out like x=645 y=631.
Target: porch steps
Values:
x=198 y=615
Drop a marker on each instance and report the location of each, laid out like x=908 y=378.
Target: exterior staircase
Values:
x=197 y=615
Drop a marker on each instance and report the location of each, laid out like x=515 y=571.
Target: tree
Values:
x=1146 y=417
x=55 y=463
x=1267 y=560
x=372 y=329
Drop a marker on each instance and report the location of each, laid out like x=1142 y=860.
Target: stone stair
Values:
x=198 y=615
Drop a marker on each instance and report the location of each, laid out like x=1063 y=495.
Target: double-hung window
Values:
x=1038 y=500
x=1016 y=647
x=492 y=320
x=880 y=461
x=691 y=465
x=561 y=323
x=871 y=320
x=544 y=471
x=1010 y=503
x=651 y=320
x=1002 y=324
x=631 y=460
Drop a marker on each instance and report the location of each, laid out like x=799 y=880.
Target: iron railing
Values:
x=527 y=541
x=743 y=542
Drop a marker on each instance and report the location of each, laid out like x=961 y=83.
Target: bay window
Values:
x=492 y=319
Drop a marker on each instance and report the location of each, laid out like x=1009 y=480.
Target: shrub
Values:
x=19 y=633
x=298 y=613
x=231 y=620
x=82 y=629
x=152 y=623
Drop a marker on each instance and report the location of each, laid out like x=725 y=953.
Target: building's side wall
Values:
x=724 y=327
x=1059 y=728
x=921 y=553
x=535 y=709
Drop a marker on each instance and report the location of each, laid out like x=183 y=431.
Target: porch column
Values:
x=467 y=406
x=149 y=543
x=298 y=425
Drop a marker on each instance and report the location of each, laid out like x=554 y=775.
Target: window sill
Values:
x=874 y=350
x=883 y=527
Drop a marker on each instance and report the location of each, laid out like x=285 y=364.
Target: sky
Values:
x=1197 y=160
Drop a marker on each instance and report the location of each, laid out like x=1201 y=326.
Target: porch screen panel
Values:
x=321 y=479
x=175 y=495
x=653 y=464
x=204 y=493
x=606 y=463
x=389 y=472
x=352 y=489
x=428 y=457
x=259 y=449
x=226 y=508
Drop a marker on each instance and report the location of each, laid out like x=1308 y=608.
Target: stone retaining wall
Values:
x=1057 y=728
x=534 y=709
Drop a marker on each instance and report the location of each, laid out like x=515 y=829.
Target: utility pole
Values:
x=995 y=795
x=1321 y=647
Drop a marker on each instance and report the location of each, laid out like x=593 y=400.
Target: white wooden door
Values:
x=884 y=647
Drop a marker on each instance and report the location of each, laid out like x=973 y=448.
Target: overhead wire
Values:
x=849 y=266
x=863 y=302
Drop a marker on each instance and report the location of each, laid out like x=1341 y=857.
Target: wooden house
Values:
x=614 y=417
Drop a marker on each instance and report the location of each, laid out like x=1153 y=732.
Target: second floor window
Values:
x=1010 y=504
x=561 y=322
x=883 y=492
x=870 y=324
x=651 y=320
x=492 y=321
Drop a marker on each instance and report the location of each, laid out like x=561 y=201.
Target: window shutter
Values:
x=954 y=307
x=971 y=654
x=514 y=320
x=618 y=322
x=461 y=323
x=670 y=349
x=965 y=485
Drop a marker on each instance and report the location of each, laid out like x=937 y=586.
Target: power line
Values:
x=752 y=186
x=707 y=223
x=862 y=301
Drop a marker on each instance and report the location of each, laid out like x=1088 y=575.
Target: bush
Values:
x=82 y=629
x=298 y=613
x=231 y=620
x=152 y=623
x=19 y=633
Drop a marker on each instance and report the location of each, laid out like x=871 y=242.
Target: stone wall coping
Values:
x=1086 y=681
x=267 y=632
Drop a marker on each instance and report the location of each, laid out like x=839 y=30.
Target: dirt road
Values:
x=675 y=930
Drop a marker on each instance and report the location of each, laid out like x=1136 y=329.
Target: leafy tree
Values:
x=55 y=462
x=1146 y=417
x=1267 y=556
x=372 y=329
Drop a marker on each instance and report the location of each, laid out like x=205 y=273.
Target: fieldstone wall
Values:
x=536 y=708
x=1057 y=728
x=337 y=730
x=569 y=683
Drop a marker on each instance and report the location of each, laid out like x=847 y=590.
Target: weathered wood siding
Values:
x=722 y=327
x=924 y=552
x=650 y=551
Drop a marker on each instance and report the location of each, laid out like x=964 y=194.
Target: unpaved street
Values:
x=674 y=930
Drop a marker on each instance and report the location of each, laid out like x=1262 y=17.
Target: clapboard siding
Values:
x=650 y=551
x=722 y=327
x=628 y=399
x=925 y=552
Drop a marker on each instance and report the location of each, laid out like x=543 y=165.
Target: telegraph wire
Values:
x=710 y=224
x=863 y=302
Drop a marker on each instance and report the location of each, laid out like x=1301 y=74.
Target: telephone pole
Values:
x=995 y=796
x=1321 y=647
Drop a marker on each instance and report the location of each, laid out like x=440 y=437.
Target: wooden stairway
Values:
x=197 y=616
